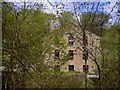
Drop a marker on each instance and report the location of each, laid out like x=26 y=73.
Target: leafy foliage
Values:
x=29 y=45
x=94 y=22
x=26 y=41
x=110 y=64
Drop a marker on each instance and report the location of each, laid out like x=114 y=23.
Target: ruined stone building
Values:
x=75 y=51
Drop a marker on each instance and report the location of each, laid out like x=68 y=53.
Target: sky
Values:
x=69 y=6
x=66 y=0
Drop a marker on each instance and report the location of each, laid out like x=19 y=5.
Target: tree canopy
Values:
x=94 y=22
x=29 y=46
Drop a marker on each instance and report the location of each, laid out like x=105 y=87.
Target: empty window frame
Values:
x=70 y=40
x=71 y=67
x=70 y=43
x=71 y=54
x=57 y=54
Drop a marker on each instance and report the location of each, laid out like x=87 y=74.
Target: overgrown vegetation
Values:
x=29 y=43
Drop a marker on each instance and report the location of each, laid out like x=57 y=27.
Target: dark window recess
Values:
x=57 y=54
x=71 y=54
x=71 y=67
x=85 y=68
x=70 y=40
x=71 y=37
x=92 y=42
x=70 y=43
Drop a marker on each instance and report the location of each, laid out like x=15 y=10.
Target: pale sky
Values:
x=65 y=0
x=69 y=5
